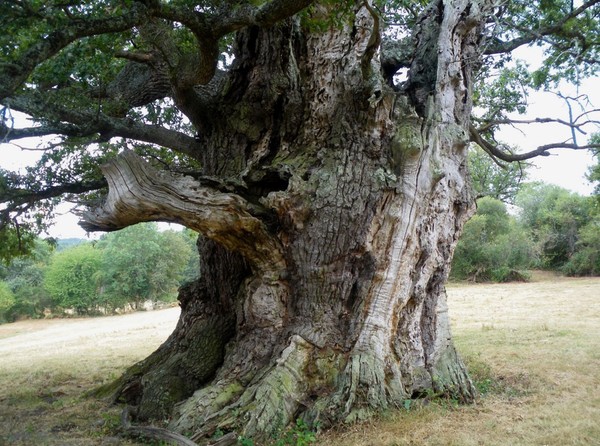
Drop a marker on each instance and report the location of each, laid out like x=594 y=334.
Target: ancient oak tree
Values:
x=319 y=148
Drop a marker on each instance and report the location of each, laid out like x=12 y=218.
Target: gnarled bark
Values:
x=336 y=309
x=138 y=193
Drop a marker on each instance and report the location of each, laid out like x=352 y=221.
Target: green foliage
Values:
x=245 y=441
x=492 y=247
x=505 y=92
x=25 y=276
x=570 y=51
x=72 y=278
x=586 y=259
x=492 y=180
x=554 y=217
x=140 y=263
x=126 y=267
x=301 y=434
x=594 y=170
x=15 y=242
x=401 y=14
x=7 y=299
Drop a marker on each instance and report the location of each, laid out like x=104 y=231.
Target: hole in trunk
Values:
x=271 y=181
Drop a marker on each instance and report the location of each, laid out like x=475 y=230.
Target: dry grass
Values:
x=47 y=365
x=534 y=349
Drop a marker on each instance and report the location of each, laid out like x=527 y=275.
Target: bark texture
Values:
x=324 y=260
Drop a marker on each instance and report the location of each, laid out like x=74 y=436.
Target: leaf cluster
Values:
x=567 y=33
x=489 y=179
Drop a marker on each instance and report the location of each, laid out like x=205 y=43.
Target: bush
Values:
x=493 y=247
x=25 y=277
x=7 y=300
x=555 y=219
x=586 y=260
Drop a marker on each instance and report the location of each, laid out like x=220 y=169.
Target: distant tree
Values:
x=66 y=243
x=7 y=300
x=25 y=276
x=191 y=271
x=493 y=247
x=554 y=217
x=586 y=259
x=72 y=276
x=594 y=170
x=140 y=263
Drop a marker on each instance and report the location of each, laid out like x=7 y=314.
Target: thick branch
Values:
x=264 y=15
x=208 y=29
x=19 y=200
x=92 y=123
x=498 y=153
x=531 y=35
x=138 y=193
x=139 y=84
x=8 y=134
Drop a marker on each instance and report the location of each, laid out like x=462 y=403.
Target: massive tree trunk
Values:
x=328 y=225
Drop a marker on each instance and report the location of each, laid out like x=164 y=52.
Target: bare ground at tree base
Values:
x=533 y=350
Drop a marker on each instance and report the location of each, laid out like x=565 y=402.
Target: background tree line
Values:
x=520 y=226
x=122 y=270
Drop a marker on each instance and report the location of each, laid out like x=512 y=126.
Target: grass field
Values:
x=533 y=350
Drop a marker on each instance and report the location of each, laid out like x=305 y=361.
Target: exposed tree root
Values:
x=155 y=433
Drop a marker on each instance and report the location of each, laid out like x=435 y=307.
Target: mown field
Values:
x=533 y=350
